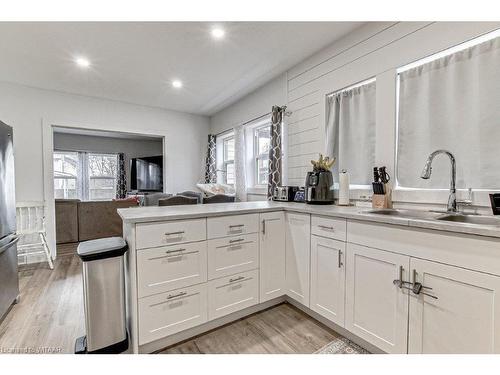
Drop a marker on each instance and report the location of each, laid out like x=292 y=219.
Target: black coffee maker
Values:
x=319 y=187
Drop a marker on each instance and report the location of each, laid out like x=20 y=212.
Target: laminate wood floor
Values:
x=49 y=317
x=282 y=329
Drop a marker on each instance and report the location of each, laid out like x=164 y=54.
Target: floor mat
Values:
x=342 y=345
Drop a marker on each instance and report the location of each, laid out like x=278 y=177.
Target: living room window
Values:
x=65 y=175
x=85 y=176
x=102 y=176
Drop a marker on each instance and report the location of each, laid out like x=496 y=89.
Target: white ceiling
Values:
x=136 y=61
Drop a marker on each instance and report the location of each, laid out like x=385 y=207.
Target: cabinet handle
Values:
x=236 y=226
x=325 y=227
x=172 y=233
x=399 y=281
x=236 y=279
x=170 y=296
x=263 y=227
x=175 y=251
x=237 y=240
x=340 y=259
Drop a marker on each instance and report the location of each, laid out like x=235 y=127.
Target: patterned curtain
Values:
x=275 y=154
x=210 y=167
x=121 y=181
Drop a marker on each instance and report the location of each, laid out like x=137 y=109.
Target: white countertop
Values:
x=167 y=213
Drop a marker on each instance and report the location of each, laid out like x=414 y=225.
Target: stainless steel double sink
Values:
x=440 y=216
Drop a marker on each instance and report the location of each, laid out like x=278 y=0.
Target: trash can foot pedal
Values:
x=81 y=345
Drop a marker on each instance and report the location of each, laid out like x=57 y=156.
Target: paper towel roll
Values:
x=343 y=188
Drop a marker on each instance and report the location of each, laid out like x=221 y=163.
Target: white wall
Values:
x=253 y=105
x=131 y=148
x=25 y=109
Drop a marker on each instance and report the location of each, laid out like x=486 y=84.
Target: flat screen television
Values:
x=146 y=174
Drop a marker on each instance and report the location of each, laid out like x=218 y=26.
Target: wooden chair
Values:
x=31 y=230
x=177 y=200
x=218 y=198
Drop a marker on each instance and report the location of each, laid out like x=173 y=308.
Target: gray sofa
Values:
x=78 y=221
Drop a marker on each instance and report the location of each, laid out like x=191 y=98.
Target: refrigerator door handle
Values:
x=9 y=245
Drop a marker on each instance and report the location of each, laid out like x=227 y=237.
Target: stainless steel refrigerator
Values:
x=9 y=284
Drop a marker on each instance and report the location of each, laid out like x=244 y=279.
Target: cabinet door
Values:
x=465 y=317
x=298 y=254
x=328 y=278
x=376 y=308
x=272 y=255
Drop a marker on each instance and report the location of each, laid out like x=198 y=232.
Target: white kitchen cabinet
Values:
x=164 y=314
x=229 y=255
x=170 y=232
x=328 y=278
x=161 y=269
x=465 y=317
x=233 y=225
x=298 y=254
x=232 y=293
x=376 y=308
x=329 y=227
x=272 y=255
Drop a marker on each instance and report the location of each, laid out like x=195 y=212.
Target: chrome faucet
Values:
x=426 y=174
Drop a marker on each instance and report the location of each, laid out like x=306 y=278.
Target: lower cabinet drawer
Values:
x=227 y=256
x=329 y=227
x=171 y=267
x=168 y=313
x=229 y=294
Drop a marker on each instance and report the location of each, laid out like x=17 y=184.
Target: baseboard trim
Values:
x=340 y=330
x=190 y=333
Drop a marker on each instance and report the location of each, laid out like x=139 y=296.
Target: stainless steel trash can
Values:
x=104 y=296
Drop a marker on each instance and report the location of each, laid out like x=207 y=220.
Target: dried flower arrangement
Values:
x=323 y=164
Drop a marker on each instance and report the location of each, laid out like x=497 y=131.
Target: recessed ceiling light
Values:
x=82 y=62
x=218 y=33
x=176 y=83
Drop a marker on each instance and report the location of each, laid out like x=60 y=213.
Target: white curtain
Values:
x=83 y=176
x=240 y=183
x=350 y=132
x=452 y=103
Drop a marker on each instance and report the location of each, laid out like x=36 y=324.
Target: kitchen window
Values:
x=450 y=101
x=85 y=176
x=228 y=160
x=262 y=143
x=350 y=131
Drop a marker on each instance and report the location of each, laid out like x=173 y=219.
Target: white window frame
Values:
x=66 y=178
x=257 y=156
x=114 y=178
x=81 y=185
x=226 y=162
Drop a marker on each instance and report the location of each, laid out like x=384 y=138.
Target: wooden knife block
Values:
x=383 y=200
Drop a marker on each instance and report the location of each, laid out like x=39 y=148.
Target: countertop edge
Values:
x=350 y=213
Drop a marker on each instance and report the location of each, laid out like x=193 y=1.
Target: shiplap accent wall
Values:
x=374 y=50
